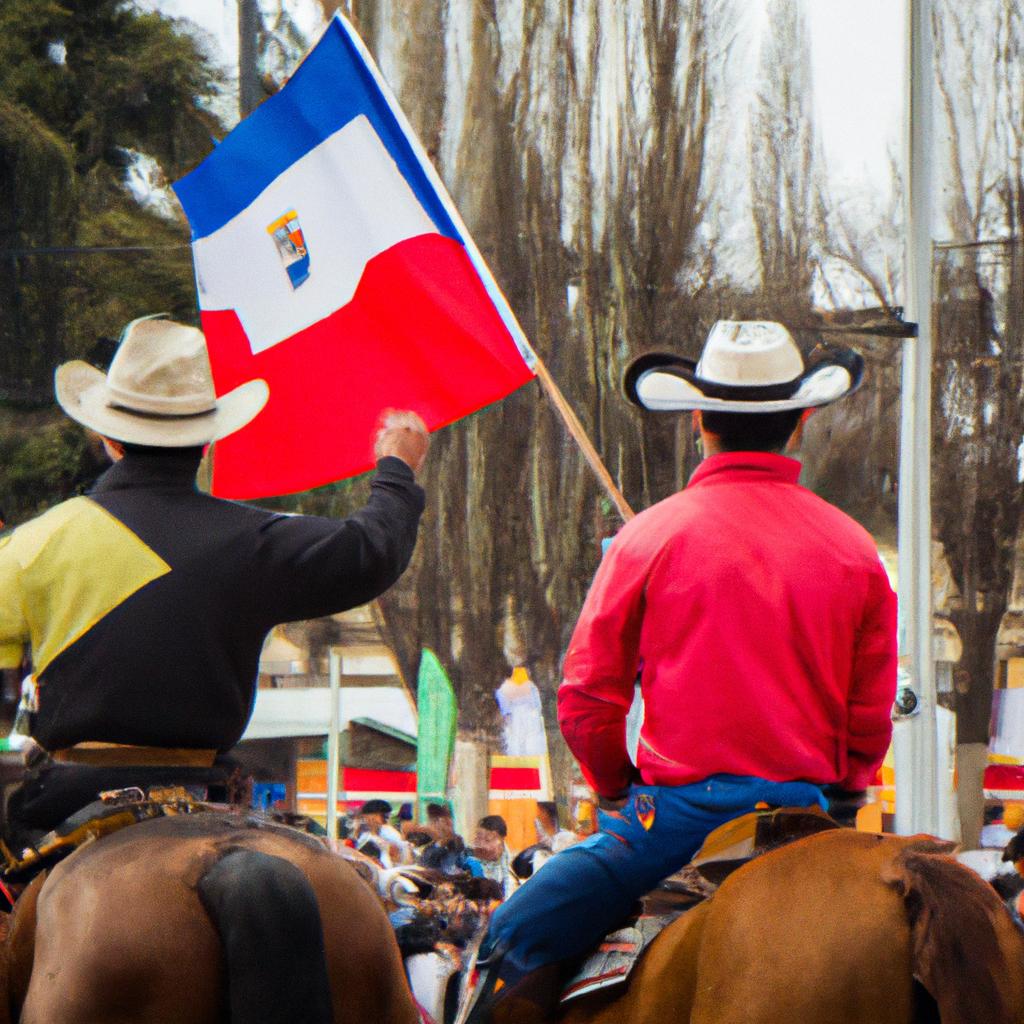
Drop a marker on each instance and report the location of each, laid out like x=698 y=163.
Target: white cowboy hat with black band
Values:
x=751 y=366
x=158 y=391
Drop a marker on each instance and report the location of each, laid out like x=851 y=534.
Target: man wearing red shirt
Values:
x=762 y=625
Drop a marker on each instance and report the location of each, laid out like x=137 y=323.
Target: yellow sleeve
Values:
x=14 y=632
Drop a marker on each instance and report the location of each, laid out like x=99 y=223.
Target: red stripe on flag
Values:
x=515 y=778
x=420 y=333
x=373 y=780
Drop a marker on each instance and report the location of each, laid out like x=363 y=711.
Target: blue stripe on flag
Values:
x=330 y=88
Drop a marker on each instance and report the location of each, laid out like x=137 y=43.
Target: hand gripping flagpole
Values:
x=530 y=357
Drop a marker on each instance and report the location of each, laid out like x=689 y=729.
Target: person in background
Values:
x=474 y=865
x=549 y=831
x=450 y=857
x=403 y=820
x=373 y=828
x=491 y=849
x=439 y=823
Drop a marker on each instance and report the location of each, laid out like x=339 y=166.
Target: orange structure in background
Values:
x=516 y=784
x=355 y=786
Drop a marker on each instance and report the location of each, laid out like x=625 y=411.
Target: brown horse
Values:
x=201 y=919
x=837 y=928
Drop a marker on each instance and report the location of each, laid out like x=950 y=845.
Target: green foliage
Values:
x=43 y=455
x=129 y=80
x=82 y=83
x=108 y=290
x=28 y=76
x=37 y=207
x=38 y=177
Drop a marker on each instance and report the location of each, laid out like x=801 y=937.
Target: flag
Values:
x=331 y=262
x=438 y=713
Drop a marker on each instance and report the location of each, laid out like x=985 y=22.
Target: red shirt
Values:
x=765 y=626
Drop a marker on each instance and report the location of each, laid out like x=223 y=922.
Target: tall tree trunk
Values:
x=250 y=25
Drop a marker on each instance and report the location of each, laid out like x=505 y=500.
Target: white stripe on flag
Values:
x=352 y=204
x=475 y=256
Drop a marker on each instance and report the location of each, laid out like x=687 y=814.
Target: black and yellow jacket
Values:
x=146 y=603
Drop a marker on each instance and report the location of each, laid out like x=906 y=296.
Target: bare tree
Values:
x=584 y=143
x=978 y=416
x=786 y=172
x=588 y=203
x=805 y=252
x=250 y=32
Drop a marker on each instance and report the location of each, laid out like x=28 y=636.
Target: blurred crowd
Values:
x=393 y=838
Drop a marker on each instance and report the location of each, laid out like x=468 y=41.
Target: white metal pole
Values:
x=917 y=775
x=333 y=744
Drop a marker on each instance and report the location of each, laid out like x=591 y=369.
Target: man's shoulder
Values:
x=846 y=527
x=683 y=517
x=242 y=509
x=648 y=532
x=676 y=506
x=54 y=517
x=274 y=522
x=758 y=504
x=24 y=542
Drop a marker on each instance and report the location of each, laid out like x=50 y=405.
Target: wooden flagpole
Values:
x=579 y=435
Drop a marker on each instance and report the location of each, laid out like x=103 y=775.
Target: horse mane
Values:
x=955 y=922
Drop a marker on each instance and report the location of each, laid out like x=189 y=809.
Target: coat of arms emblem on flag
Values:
x=291 y=246
x=384 y=301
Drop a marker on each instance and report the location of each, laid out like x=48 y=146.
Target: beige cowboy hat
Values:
x=158 y=391
x=746 y=366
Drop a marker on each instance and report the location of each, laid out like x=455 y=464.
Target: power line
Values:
x=89 y=250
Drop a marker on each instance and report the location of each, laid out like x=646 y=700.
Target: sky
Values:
x=857 y=53
x=858 y=56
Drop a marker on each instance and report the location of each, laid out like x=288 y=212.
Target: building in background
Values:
x=285 y=742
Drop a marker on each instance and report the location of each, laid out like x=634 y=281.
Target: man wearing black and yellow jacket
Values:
x=145 y=604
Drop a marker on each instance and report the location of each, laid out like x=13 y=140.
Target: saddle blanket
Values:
x=612 y=961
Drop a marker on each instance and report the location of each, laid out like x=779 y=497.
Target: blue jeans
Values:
x=586 y=890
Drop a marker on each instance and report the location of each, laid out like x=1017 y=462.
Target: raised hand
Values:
x=404 y=435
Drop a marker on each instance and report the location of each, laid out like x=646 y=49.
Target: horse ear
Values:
x=924 y=843
x=951 y=910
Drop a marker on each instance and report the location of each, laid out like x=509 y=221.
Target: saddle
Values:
x=729 y=847
x=116 y=809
